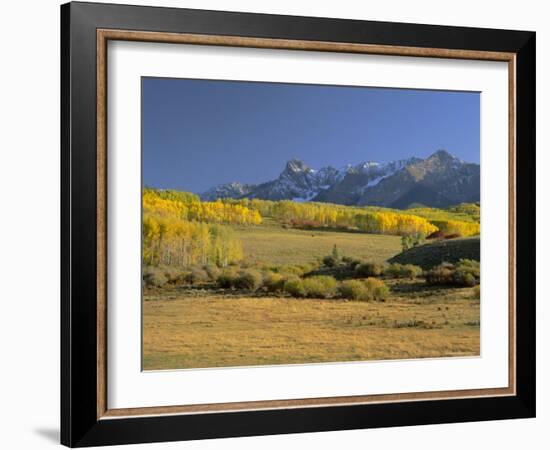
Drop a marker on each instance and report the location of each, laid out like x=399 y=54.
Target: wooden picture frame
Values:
x=86 y=418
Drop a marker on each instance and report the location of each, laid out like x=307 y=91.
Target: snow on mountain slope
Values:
x=437 y=180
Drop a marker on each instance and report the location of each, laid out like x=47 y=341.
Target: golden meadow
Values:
x=255 y=282
x=181 y=230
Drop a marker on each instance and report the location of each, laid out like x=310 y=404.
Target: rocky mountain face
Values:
x=229 y=190
x=439 y=180
x=297 y=182
x=356 y=180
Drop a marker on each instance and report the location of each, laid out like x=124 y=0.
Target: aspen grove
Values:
x=181 y=230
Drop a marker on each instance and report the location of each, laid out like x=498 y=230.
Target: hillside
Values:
x=438 y=181
x=432 y=254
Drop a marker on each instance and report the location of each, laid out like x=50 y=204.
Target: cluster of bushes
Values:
x=159 y=276
x=248 y=279
x=274 y=282
x=370 y=289
x=333 y=259
x=357 y=268
x=324 y=286
x=319 y=286
x=297 y=269
x=368 y=269
x=243 y=276
x=412 y=240
x=397 y=270
x=362 y=279
x=154 y=277
x=464 y=273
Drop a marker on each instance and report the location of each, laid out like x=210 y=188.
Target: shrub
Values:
x=377 y=289
x=226 y=280
x=289 y=270
x=212 y=271
x=246 y=264
x=353 y=290
x=397 y=270
x=354 y=262
x=406 y=242
x=467 y=272
x=295 y=287
x=197 y=275
x=441 y=274
x=321 y=286
x=307 y=267
x=411 y=271
x=333 y=259
x=154 y=277
x=412 y=240
x=171 y=273
x=394 y=270
x=183 y=278
x=477 y=292
x=274 y=282
x=329 y=261
x=368 y=270
x=249 y=280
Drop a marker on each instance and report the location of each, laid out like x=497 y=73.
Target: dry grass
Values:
x=272 y=244
x=207 y=328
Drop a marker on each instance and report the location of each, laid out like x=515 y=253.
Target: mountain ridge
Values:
x=439 y=180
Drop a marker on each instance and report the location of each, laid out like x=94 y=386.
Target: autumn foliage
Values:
x=189 y=207
x=183 y=231
x=455 y=227
x=327 y=215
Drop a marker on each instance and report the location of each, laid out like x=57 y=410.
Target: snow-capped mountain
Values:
x=439 y=180
x=355 y=180
x=297 y=182
x=229 y=190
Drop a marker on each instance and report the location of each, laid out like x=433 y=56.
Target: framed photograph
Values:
x=276 y=224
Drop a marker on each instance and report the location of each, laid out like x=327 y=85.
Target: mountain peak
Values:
x=295 y=166
x=233 y=189
x=439 y=180
x=442 y=155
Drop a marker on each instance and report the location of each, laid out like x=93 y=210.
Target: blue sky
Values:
x=200 y=133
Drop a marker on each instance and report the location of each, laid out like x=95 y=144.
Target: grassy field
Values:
x=199 y=325
x=193 y=327
x=272 y=244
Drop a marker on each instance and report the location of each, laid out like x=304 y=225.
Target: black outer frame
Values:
x=79 y=423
